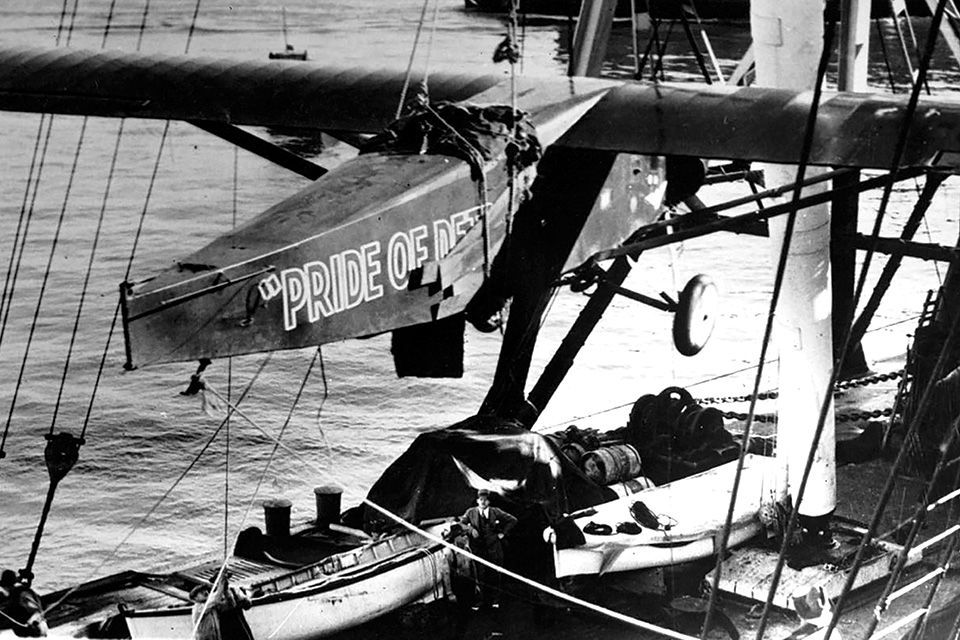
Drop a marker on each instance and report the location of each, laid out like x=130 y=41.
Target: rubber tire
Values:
x=696 y=315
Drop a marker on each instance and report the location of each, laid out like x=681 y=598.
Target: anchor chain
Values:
x=852 y=416
x=841 y=386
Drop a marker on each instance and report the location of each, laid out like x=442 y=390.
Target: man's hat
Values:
x=455 y=531
x=485 y=493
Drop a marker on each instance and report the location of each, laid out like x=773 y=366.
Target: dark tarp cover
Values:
x=438 y=476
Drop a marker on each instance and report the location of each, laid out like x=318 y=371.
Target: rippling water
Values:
x=124 y=506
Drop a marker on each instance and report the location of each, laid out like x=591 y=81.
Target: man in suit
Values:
x=487 y=526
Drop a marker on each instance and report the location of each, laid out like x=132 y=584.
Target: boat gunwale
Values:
x=326 y=583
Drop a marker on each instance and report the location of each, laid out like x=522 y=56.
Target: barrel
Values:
x=276 y=517
x=609 y=465
x=328 y=504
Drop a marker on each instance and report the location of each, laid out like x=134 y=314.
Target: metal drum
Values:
x=609 y=465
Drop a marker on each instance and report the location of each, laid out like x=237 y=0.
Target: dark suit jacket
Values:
x=486 y=542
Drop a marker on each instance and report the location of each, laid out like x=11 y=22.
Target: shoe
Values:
x=495 y=605
x=475 y=607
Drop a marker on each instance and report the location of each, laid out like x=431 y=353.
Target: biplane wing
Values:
x=390 y=241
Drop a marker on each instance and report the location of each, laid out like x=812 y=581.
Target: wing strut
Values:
x=267 y=150
x=590 y=315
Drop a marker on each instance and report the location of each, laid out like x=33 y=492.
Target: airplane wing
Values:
x=388 y=241
x=272 y=93
x=764 y=124
x=275 y=93
x=702 y=121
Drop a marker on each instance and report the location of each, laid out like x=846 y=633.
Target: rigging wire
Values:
x=886 y=57
x=166 y=494
x=614 y=615
x=117 y=309
x=55 y=477
x=898 y=154
x=426 y=63
x=888 y=488
x=116 y=313
x=46 y=278
x=765 y=344
x=26 y=227
x=323 y=401
x=86 y=284
x=221 y=572
x=296 y=401
x=936 y=263
x=29 y=216
x=226 y=464
x=54 y=242
x=96 y=237
x=943 y=451
x=413 y=53
x=23 y=224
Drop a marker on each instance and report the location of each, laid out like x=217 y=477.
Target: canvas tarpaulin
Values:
x=439 y=475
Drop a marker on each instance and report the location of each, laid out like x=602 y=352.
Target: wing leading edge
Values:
x=709 y=122
x=763 y=124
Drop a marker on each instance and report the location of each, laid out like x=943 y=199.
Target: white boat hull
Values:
x=694 y=507
x=323 y=607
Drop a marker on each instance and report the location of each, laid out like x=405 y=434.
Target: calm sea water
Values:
x=125 y=505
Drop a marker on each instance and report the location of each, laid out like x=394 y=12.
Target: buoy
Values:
x=696 y=314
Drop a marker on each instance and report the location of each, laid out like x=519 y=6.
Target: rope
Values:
x=283 y=428
x=917 y=522
x=512 y=58
x=226 y=464
x=116 y=311
x=226 y=471
x=26 y=216
x=266 y=467
x=426 y=65
x=89 y=273
x=143 y=24
x=895 y=164
x=166 y=494
x=768 y=330
x=73 y=444
x=476 y=161
x=886 y=57
x=323 y=401
x=23 y=223
x=613 y=615
x=46 y=278
x=54 y=242
x=73 y=19
x=413 y=53
x=536 y=585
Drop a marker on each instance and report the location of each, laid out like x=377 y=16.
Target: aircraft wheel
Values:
x=696 y=315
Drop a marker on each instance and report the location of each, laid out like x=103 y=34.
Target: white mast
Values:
x=787 y=42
